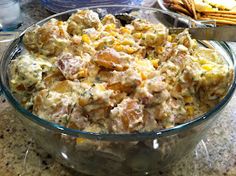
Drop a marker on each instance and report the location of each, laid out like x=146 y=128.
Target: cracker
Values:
x=179 y=8
x=219 y=21
x=221 y=11
x=221 y=15
x=220 y=18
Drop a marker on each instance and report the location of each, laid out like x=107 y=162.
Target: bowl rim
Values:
x=113 y=136
x=162 y=6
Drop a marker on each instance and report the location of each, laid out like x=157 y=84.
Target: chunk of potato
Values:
x=127 y=116
x=111 y=59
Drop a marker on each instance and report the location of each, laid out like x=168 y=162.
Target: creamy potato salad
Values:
x=96 y=75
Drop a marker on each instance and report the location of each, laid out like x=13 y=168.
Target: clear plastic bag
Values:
x=63 y=5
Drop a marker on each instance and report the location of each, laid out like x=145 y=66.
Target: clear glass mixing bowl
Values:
x=118 y=154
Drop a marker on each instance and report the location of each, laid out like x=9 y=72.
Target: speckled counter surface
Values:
x=19 y=156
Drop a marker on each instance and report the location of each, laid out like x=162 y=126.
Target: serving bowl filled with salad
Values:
x=107 y=90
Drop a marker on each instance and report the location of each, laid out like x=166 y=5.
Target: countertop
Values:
x=19 y=155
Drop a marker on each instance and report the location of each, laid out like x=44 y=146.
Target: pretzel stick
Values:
x=173 y=1
x=192 y=3
x=182 y=14
x=188 y=6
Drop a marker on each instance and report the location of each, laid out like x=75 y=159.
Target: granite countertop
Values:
x=19 y=156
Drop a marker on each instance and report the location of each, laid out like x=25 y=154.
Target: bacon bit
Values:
x=125 y=122
x=178 y=88
x=21 y=87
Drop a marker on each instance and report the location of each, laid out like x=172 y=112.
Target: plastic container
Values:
x=63 y=5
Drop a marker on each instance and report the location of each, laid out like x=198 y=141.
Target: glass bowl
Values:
x=118 y=154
